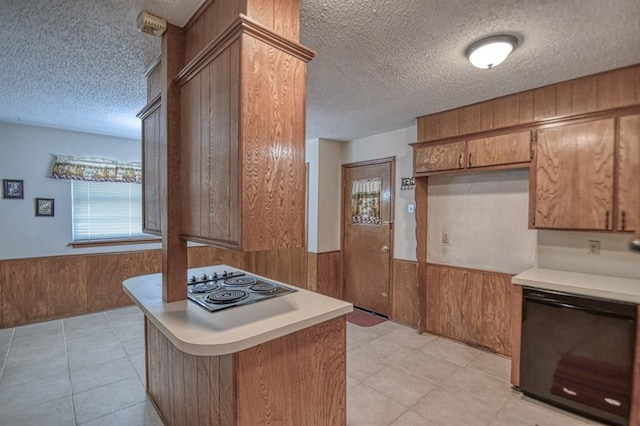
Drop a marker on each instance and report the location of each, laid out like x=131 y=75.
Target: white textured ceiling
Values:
x=78 y=64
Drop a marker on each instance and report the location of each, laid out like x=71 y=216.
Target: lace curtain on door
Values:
x=365 y=201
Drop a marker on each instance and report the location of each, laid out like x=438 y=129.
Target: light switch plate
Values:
x=411 y=208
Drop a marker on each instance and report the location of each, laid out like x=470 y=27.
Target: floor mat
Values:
x=364 y=319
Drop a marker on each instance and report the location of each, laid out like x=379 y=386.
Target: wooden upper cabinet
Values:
x=439 y=157
x=574 y=176
x=242 y=153
x=505 y=149
x=628 y=174
x=151 y=168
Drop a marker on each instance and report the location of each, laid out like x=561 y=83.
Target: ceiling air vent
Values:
x=151 y=24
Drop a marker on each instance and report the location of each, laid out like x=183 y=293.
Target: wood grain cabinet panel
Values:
x=151 y=188
x=505 y=149
x=470 y=306
x=243 y=148
x=574 y=176
x=439 y=157
x=628 y=173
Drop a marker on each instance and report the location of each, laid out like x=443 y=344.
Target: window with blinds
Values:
x=106 y=210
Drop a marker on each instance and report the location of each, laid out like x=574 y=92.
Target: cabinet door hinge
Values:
x=533 y=221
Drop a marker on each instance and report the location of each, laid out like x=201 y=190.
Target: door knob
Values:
x=384 y=249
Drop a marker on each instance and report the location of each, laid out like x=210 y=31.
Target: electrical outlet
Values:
x=594 y=248
x=445 y=238
x=411 y=208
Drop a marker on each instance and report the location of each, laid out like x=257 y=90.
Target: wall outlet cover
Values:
x=594 y=248
x=445 y=238
x=411 y=208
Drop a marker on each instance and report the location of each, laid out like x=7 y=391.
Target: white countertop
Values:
x=197 y=331
x=602 y=286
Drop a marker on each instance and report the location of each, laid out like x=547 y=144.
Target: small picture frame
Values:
x=44 y=206
x=12 y=188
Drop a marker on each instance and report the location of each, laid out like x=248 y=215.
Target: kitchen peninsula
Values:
x=280 y=361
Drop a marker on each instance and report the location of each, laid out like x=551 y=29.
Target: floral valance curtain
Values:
x=96 y=169
x=365 y=201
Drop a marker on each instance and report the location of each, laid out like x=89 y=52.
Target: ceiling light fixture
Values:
x=491 y=51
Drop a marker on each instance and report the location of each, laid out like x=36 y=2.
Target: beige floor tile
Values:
x=486 y=389
x=411 y=418
x=401 y=385
x=358 y=336
x=98 y=353
x=58 y=412
x=19 y=373
x=388 y=350
x=108 y=399
x=362 y=364
x=142 y=414
x=96 y=375
x=451 y=351
x=26 y=356
x=450 y=408
x=368 y=407
x=351 y=382
x=20 y=396
x=493 y=365
x=39 y=328
x=410 y=337
x=528 y=410
x=428 y=365
x=90 y=337
x=134 y=345
x=138 y=361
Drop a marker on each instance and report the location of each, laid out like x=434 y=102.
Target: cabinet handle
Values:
x=469 y=159
x=460 y=161
x=624 y=219
x=606 y=220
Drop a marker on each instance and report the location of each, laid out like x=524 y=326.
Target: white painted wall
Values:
x=26 y=154
x=390 y=144
x=485 y=216
x=325 y=159
x=568 y=251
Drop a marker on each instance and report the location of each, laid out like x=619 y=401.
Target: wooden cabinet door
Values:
x=439 y=157
x=503 y=149
x=628 y=174
x=152 y=171
x=574 y=176
x=495 y=328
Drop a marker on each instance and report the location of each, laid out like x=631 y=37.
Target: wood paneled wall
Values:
x=286 y=265
x=297 y=379
x=325 y=273
x=404 y=293
x=605 y=91
x=470 y=306
x=45 y=288
x=215 y=16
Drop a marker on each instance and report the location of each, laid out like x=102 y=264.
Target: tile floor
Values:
x=89 y=370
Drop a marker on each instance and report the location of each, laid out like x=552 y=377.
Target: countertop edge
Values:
x=225 y=348
x=565 y=282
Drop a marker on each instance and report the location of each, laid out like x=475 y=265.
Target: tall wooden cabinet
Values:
x=628 y=162
x=574 y=176
x=586 y=175
x=243 y=121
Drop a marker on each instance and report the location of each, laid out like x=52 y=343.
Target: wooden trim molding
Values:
x=242 y=25
x=516 y=333
x=152 y=66
x=107 y=243
x=150 y=107
x=634 y=415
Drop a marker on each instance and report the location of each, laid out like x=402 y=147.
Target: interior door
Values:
x=367 y=217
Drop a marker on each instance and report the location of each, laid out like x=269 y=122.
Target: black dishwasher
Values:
x=577 y=353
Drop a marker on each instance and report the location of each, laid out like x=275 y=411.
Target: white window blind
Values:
x=106 y=210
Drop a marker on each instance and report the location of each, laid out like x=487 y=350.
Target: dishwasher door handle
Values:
x=554 y=303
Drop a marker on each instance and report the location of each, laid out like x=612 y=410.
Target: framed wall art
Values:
x=12 y=188
x=44 y=206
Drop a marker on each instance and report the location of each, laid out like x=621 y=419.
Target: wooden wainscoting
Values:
x=44 y=288
x=471 y=306
x=404 y=293
x=329 y=274
x=286 y=265
x=297 y=379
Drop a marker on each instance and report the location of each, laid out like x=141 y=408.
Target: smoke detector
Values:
x=151 y=24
